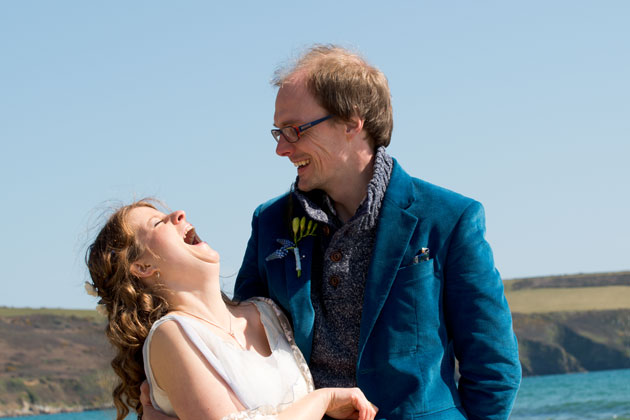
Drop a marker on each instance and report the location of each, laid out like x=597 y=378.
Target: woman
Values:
x=204 y=356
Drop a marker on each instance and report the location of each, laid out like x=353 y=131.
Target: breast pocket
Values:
x=415 y=271
x=418 y=293
x=417 y=286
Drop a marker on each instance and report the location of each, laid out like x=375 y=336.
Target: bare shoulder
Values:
x=169 y=335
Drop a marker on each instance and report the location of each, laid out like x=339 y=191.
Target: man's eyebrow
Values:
x=289 y=123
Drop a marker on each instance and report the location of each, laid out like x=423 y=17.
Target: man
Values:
x=386 y=278
x=397 y=280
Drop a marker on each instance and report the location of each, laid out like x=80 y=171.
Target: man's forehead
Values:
x=292 y=90
x=294 y=103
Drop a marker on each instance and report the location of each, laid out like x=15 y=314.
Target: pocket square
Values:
x=422 y=256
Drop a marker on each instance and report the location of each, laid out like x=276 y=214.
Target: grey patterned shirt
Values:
x=339 y=269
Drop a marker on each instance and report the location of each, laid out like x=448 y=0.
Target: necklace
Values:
x=229 y=332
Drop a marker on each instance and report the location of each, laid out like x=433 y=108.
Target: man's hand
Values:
x=148 y=411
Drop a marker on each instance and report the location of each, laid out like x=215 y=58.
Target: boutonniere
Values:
x=300 y=231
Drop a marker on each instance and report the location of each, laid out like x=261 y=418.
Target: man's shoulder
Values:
x=427 y=195
x=273 y=206
x=429 y=191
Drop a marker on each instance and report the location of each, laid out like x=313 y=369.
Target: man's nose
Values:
x=284 y=148
x=178 y=216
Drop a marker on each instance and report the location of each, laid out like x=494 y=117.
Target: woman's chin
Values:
x=208 y=254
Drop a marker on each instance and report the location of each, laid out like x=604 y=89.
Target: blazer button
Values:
x=335 y=256
x=326 y=230
x=334 y=281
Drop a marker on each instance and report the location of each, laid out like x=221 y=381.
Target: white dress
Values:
x=264 y=385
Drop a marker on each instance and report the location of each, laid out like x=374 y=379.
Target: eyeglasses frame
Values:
x=299 y=130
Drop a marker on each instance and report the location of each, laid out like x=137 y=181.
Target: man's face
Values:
x=321 y=153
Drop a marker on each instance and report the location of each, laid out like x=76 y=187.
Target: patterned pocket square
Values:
x=422 y=256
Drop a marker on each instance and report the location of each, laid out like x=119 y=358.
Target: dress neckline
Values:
x=233 y=345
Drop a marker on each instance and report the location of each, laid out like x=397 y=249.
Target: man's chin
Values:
x=304 y=186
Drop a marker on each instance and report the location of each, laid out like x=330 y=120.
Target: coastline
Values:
x=29 y=409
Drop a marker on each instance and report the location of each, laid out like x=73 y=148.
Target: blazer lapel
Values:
x=395 y=229
x=299 y=295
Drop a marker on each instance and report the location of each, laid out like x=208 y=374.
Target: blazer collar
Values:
x=395 y=229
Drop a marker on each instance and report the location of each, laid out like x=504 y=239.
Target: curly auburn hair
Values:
x=345 y=85
x=132 y=307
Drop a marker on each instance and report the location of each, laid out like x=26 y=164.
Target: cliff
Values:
x=572 y=323
x=53 y=361
x=573 y=342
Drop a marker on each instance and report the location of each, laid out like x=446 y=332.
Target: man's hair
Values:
x=345 y=85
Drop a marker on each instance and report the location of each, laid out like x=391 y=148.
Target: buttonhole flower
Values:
x=301 y=230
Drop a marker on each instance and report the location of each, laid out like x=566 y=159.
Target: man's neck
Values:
x=347 y=197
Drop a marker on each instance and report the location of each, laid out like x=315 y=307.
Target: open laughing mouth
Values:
x=301 y=163
x=190 y=236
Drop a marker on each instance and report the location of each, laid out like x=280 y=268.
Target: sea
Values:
x=603 y=395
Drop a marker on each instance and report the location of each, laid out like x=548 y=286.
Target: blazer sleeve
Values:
x=479 y=321
x=250 y=281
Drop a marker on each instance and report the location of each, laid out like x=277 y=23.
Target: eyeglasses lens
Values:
x=290 y=134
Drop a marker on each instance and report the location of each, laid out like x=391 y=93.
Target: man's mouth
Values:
x=190 y=236
x=301 y=163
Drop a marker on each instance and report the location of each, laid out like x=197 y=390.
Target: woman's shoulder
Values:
x=167 y=331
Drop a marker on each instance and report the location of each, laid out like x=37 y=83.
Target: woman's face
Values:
x=172 y=246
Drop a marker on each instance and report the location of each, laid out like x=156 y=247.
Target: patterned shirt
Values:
x=339 y=269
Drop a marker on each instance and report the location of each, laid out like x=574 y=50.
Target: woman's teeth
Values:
x=190 y=237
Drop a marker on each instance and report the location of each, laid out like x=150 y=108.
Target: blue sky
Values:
x=522 y=105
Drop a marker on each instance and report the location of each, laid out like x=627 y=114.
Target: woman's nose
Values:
x=178 y=216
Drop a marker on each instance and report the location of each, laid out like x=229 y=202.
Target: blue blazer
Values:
x=418 y=316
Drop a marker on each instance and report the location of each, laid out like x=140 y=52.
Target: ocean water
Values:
x=579 y=396
x=590 y=396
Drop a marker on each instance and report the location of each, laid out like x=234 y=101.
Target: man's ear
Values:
x=354 y=126
x=141 y=270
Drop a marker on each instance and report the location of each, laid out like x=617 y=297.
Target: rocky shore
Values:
x=37 y=409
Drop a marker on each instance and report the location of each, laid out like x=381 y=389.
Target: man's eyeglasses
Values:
x=292 y=133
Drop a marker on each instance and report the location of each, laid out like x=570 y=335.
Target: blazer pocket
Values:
x=417 y=286
x=420 y=270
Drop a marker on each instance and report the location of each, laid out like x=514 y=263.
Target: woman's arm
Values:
x=194 y=388
x=197 y=391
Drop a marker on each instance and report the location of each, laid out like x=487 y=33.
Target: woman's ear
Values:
x=141 y=270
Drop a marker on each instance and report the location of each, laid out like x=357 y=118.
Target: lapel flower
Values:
x=300 y=231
